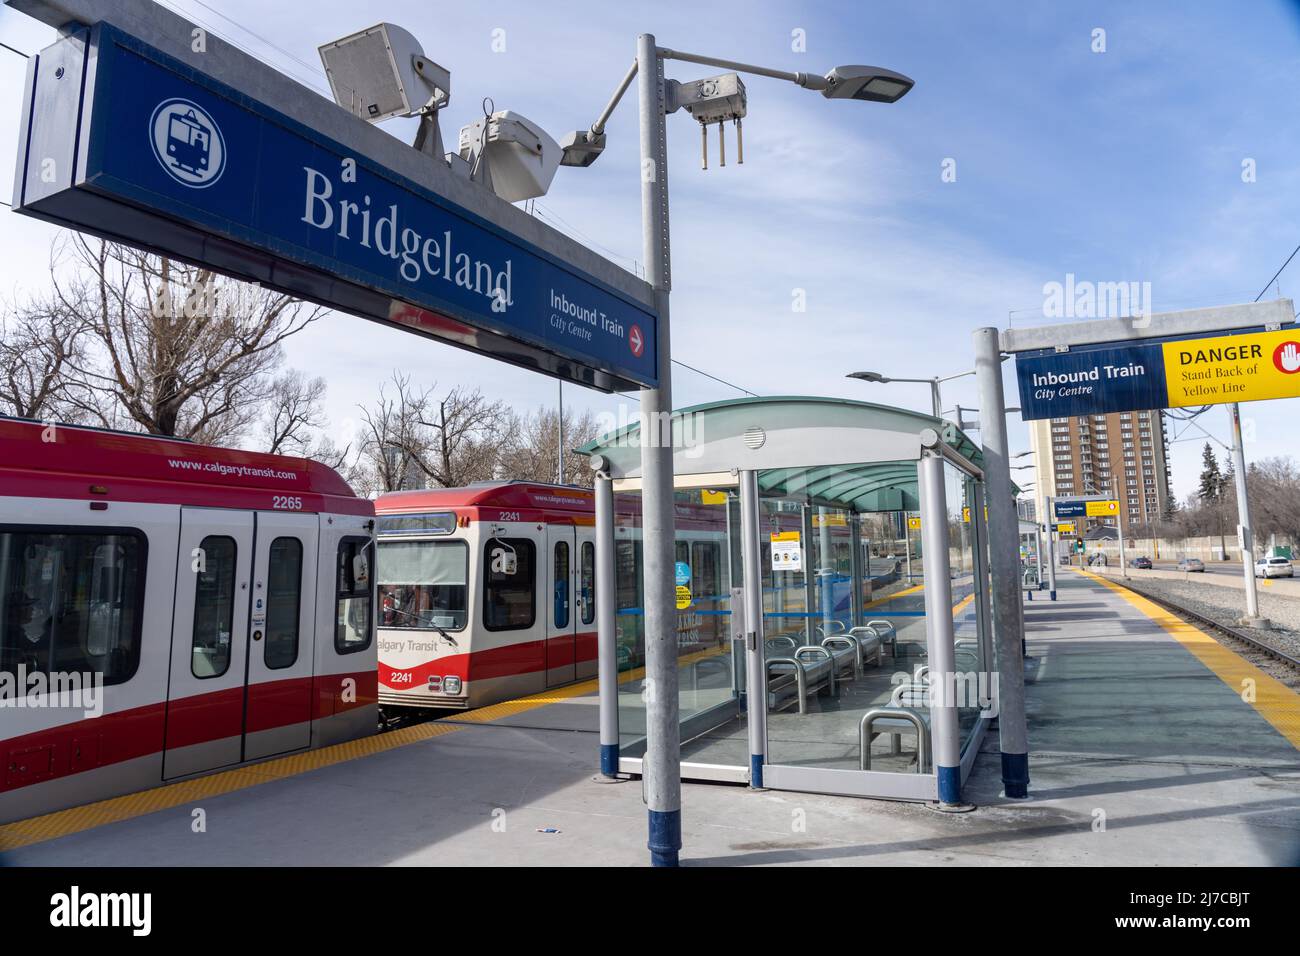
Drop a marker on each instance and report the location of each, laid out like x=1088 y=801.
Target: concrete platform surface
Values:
x=1140 y=755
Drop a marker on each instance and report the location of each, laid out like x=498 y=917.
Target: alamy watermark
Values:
x=1083 y=299
x=53 y=690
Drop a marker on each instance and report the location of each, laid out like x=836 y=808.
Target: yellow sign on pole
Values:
x=708 y=497
x=1234 y=368
x=683 y=597
x=914 y=524
x=1101 y=509
x=836 y=519
x=1065 y=527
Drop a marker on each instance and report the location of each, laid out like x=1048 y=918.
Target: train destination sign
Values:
x=123 y=141
x=1242 y=366
x=1085 y=508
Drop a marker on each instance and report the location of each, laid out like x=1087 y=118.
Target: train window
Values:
x=352 y=590
x=214 y=607
x=71 y=601
x=509 y=573
x=283 y=603
x=588 y=582
x=561 y=584
x=423 y=584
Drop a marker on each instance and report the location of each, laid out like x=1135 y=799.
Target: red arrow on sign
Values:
x=636 y=341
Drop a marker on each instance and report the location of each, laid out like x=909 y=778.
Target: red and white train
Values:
x=222 y=601
x=488 y=592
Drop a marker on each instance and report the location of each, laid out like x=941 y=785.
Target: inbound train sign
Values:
x=1173 y=371
x=124 y=141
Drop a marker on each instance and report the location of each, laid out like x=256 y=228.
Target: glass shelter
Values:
x=833 y=610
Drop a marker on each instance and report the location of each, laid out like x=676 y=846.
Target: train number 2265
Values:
x=286 y=503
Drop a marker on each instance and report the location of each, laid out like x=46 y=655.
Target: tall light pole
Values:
x=936 y=400
x=656 y=98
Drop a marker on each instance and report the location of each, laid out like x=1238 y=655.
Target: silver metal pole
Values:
x=826 y=563
x=755 y=679
x=1004 y=558
x=936 y=401
x=661 y=768
x=1243 y=518
x=855 y=569
x=1119 y=523
x=1051 y=546
x=809 y=579
x=907 y=544
x=606 y=627
x=938 y=624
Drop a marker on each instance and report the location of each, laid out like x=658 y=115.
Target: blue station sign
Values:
x=161 y=156
x=1090 y=381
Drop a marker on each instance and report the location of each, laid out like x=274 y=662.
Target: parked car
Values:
x=1191 y=564
x=1274 y=568
x=1141 y=561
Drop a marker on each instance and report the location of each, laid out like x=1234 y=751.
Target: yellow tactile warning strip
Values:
x=1275 y=702
x=76 y=819
x=896 y=594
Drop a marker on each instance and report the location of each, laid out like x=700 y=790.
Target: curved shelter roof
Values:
x=837 y=452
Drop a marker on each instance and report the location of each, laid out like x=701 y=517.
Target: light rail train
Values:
x=169 y=609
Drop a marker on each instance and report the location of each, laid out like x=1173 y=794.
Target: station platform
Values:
x=1142 y=752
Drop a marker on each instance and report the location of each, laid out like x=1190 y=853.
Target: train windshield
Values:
x=423 y=584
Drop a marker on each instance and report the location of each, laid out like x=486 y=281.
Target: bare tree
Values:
x=467 y=434
x=533 y=450
x=410 y=435
x=178 y=350
x=38 y=342
x=295 y=413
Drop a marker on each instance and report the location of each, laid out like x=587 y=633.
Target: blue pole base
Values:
x=665 y=837
x=756 y=771
x=1030 y=595
x=1015 y=775
x=949 y=784
x=1053 y=594
x=609 y=759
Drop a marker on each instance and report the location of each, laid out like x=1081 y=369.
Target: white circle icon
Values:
x=187 y=142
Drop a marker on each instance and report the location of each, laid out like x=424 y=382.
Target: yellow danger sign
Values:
x=1234 y=368
x=683 y=597
x=836 y=519
x=1101 y=509
x=708 y=497
x=914 y=524
x=1065 y=527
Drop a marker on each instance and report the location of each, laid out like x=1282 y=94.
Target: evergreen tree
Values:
x=1211 y=478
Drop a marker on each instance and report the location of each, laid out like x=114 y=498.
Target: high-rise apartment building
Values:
x=1122 y=455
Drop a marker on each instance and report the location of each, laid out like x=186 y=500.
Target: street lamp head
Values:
x=868 y=376
x=581 y=148
x=872 y=83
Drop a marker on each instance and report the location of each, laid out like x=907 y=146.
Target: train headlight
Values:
x=451 y=685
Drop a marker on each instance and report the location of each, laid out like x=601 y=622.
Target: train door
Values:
x=562 y=617
x=283 y=628
x=243 y=642
x=585 y=603
x=205 y=693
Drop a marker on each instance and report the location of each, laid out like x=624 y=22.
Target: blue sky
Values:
x=1117 y=166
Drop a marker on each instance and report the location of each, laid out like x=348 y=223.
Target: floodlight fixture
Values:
x=868 y=376
x=382 y=72
x=510 y=154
